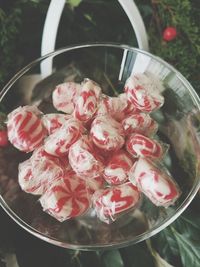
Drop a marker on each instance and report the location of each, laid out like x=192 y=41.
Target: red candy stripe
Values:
x=112 y=201
x=141 y=146
x=154 y=182
x=66 y=198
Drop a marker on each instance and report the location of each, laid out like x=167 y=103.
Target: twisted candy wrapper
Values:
x=54 y=121
x=117 y=169
x=87 y=102
x=139 y=123
x=83 y=159
x=64 y=96
x=111 y=202
x=144 y=92
x=59 y=142
x=38 y=172
x=107 y=133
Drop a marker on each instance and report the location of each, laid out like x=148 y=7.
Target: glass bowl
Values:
x=109 y=65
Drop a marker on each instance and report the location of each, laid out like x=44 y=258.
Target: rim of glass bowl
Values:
x=146 y=234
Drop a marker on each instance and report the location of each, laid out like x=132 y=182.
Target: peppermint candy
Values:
x=117 y=169
x=59 y=142
x=87 y=102
x=66 y=198
x=107 y=133
x=139 y=123
x=25 y=128
x=54 y=121
x=113 y=201
x=64 y=96
x=83 y=159
x=144 y=92
x=154 y=182
x=116 y=107
x=139 y=145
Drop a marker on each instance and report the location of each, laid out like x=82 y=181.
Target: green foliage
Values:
x=183 y=52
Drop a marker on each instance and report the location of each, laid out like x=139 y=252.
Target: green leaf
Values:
x=159 y=261
x=137 y=255
x=189 y=250
x=74 y=3
x=112 y=258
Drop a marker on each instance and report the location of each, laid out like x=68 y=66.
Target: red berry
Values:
x=169 y=34
x=3 y=138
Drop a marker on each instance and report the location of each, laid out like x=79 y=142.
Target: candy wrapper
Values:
x=40 y=171
x=25 y=129
x=95 y=184
x=66 y=198
x=107 y=133
x=139 y=123
x=54 y=121
x=110 y=203
x=84 y=160
x=116 y=107
x=141 y=146
x=59 y=142
x=87 y=102
x=64 y=96
x=117 y=169
x=144 y=92
x=154 y=182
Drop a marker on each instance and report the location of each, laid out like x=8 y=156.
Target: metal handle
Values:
x=52 y=22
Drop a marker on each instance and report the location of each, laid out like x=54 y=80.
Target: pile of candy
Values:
x=99 y=152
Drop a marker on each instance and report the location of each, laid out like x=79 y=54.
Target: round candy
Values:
x=66 y=198
x=117 y=169
x=25 y=129
x=154 y=182
x=54 y=121
x=139 y=145
x=59 y=142
x=84 y=160
x=144 y=92
x=86 y=103
x=139 y=123
x=64 y=96
x=116 y=200
x=107 y=133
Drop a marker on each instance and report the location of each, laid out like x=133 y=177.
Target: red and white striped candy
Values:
x=107 y=133
x=117 y=169
x=26 y=180
x=144 y=92
x=39 y=172
x=115 y=200
x=66 y=198
x=139 y=123
x=59 y=142
x=86 y=103
x=54 y=121
x=83 y=159
x=155 y=183
x=116 y=107
x=25 y=128
x=64 y=96
x=141 y=146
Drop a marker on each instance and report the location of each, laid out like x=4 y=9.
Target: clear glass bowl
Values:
x=109 y=65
